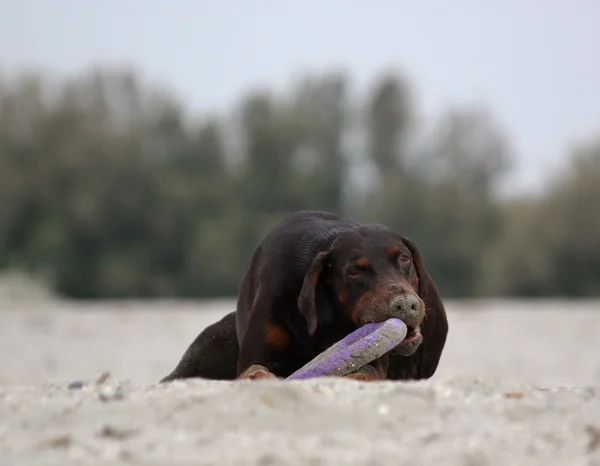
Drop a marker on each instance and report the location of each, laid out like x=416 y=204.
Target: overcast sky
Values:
x=537 y=63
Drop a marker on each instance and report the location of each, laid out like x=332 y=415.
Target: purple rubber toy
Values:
x=369 y=342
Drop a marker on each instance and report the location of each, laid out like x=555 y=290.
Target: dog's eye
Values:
x=404 y=259
x=356 y=270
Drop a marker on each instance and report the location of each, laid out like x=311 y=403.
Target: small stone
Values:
x=114 y=433
x=61 y=441
x=594 y=443
x=125 y=455
x=108 y=393
x=75 y=385
x=103 y=378
x=383 y=409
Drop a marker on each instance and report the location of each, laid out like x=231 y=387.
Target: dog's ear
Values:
x=307 y=298
x=435 y=326
x=422 y=275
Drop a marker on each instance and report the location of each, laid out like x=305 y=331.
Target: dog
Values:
x=315 y=278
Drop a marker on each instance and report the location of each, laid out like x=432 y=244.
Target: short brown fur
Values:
x=277 y=336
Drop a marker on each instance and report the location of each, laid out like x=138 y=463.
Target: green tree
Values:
x=389 y=116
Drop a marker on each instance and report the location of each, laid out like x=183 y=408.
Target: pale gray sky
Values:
x=537 y=63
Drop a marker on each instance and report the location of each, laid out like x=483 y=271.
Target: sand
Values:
x=518 y=384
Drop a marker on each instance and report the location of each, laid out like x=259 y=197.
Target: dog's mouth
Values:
x=412 y=334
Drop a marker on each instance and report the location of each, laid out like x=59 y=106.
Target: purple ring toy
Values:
x=369 y=342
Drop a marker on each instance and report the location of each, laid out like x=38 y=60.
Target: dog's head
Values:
x=369 y=274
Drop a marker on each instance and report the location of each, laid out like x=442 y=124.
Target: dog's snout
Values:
x=407 y=307
x=405 y=303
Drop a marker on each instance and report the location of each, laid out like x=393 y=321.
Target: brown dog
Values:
x=315 y=278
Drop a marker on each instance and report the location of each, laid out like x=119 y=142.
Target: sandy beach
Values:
x=518 y=384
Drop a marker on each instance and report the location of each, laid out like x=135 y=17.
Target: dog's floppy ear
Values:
x=435 y=326
x=307 y=297
x=422 y=275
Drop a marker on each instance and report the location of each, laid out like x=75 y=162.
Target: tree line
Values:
x=112 y=188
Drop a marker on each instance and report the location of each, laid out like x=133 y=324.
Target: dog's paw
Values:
x=256 y=371
x=365 y=374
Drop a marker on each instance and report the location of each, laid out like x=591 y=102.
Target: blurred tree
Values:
x=470 y=150
x=320 y=113
x=108 y=188
x=389 y=118
x=445 y=201
x=519 y=262
x=572 y=224
x=551 y=245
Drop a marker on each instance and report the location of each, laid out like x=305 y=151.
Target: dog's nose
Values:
x=407 y=308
